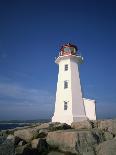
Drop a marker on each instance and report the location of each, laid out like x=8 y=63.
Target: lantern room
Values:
x=68 y=49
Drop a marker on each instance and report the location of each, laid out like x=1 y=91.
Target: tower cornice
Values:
x=76 y=58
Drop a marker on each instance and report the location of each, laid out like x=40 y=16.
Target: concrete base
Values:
x=68 y=119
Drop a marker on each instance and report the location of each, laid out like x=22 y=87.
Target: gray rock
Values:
x=26 y=149
x=21 y=143
x=42 y=133
x=15 y=140
x=80 y=142
x=107 y=125
x=53 y=126
x=39 y=144
x=44 y=125
x=59 y=126
x=27 y=134
x=56 y=153
x=108 y=136
x=82 y=125
x=107 y=148
x=7 y=148
x=2 y=139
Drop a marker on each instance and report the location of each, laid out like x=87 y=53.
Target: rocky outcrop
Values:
x=107 y=148
x=7 y=148
x=81 y=138
x=75 y=141
x=82 y=125
x=107 y=125
x=25 y=134
x=39 y=144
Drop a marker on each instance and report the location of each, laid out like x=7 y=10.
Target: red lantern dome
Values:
x=68 y=49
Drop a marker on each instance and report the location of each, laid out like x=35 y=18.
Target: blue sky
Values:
x=31 y=33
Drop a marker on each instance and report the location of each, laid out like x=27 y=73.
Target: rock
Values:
x=39 y=144
x=23 y=150
x=44 y=125
x=39 y=131
x=2 y=139
x=59 y=126
x=79 y=142
x=107 y=148
x=52 y=126
x=108 y=136
x=11 y=137
x=27 y=134
x=56 y=153
x=81 y=125
x=107 y=125
x=42 y=133
x=21 y=143
x=14 y=139
x=7 y=147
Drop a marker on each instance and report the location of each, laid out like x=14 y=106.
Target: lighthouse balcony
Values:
x=77 y=58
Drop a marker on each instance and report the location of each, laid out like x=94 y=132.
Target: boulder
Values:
x=108 y=136
x=82 y=125
x=56 y=153
x=107 y=148
x=107 y=125
x=44 y=125
x=59 y=126
x=52 y=126
x=21 y=143
x=27 y=134
x=39 y=144
x=14 y=139
x=79 y=142
x=2 y=139
x=7 y=147
x=42 y=133
x=23 y=150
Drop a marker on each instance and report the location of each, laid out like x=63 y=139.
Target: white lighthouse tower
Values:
x=70 y=105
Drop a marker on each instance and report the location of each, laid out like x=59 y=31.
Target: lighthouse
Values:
x=70 y=106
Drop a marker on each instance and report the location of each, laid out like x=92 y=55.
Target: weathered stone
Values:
x=20 y=150
x=74 y=141
x=59 y=126
x=2 y=139
x=44 y=125
x=11 y=137
x=107 y=148
x=107 y=125
x=42 y=133
x=81 y=125
x=56 y=153
x=21 y=143
x=25 y=134
x=39 y=144
x=14 y=139
x=7 y=148
x=108 y=136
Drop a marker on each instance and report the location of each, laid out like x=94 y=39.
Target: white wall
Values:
x=90 y=108
x=73 y=94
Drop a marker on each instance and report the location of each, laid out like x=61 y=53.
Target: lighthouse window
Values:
x=66 y=67
x=65 y=84
x=65 y=105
